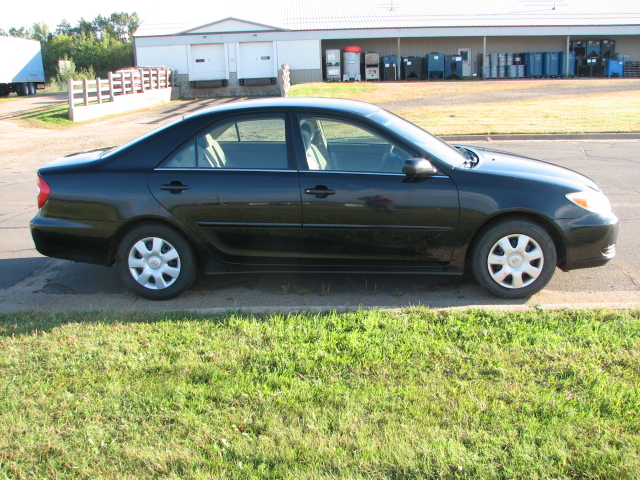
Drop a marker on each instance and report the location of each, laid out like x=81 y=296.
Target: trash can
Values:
x=389 y=67
x=550 y=64
x=435 y=65
x=562 y=64
x=613 y=68
x=411 y=68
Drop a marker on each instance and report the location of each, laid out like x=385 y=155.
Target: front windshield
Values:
x=141 y=137
x=429 y=144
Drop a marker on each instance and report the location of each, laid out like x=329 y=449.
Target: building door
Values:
x=207 y=62
x=465 y=53
x=256 y=60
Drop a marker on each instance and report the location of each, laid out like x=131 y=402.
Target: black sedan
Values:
x=317 y=185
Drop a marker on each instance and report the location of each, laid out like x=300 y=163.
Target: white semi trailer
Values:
x=21 y=69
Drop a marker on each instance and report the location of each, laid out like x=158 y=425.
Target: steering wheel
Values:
x=392 y=162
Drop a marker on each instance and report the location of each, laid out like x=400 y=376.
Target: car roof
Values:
x=333 y=105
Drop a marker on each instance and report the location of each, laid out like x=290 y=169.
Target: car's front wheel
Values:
x=514 y=259
x=156 y=262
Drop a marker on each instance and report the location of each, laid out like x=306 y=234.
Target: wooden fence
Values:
x=120 y=85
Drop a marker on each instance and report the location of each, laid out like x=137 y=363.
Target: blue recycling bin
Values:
x=390 y=67
x=562 y=64
x=593 y=48
x=453 y=67
x=533 y=62
x=435 y=65
x=613 y=68
x=550 y=64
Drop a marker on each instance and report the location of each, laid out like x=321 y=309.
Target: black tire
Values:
x=32 y=88
x=22 y=90
x=156 y=262
x=514 y=259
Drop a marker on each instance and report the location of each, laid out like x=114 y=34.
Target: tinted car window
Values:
x=432 y=146
x=256 y=130
x=335 y=145
x=185 y=158
x=250 y=143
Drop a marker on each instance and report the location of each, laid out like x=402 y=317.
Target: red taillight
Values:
x=43 y=191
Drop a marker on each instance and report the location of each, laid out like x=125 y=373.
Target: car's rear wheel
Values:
x=156 y=262
x=514 y=259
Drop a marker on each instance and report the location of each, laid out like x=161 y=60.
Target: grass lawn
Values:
x=364 y=395
x=49 y=116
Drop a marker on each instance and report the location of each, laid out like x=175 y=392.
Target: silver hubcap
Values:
x=515 y=261
x=154 y=263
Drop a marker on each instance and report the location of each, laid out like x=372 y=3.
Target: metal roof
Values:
x=305 y=15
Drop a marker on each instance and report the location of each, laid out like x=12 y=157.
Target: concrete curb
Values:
x=552 y=136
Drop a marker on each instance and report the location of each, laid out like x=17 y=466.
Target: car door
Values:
x=360 y=209
x=234 y=186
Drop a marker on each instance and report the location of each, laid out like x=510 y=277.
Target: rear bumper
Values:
x=85 y=241
x=590 y=240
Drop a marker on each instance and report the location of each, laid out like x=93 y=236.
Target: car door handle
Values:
x=320 y=191
x=175 y=187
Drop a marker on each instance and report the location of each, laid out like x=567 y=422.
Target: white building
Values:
x=238 y=49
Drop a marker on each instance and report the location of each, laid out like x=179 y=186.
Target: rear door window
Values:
x=250 y=143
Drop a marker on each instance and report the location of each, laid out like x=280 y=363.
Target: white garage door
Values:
x=256 y=60
x=207 y=62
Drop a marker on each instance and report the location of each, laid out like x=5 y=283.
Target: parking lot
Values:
x=29 y=280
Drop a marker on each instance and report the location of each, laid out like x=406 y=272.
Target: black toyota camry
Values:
x=317 y=185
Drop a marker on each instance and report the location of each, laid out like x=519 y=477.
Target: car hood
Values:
x=512 y=165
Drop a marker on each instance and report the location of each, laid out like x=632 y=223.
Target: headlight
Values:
x=595 y=202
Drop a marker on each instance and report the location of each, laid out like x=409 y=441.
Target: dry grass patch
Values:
x=586 y=114
x=492 y=107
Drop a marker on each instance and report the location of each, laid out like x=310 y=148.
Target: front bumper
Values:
x=590 y=241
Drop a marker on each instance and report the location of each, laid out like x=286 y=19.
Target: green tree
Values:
x=101 y=45
x=119 y=25
x=84 y=27
x=19 y=32
x=59 y=47
x=40 y=31
x=64 y=28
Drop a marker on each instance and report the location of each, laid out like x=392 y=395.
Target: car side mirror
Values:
x=419 y=167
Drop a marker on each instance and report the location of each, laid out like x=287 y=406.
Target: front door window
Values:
x=343 y=147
